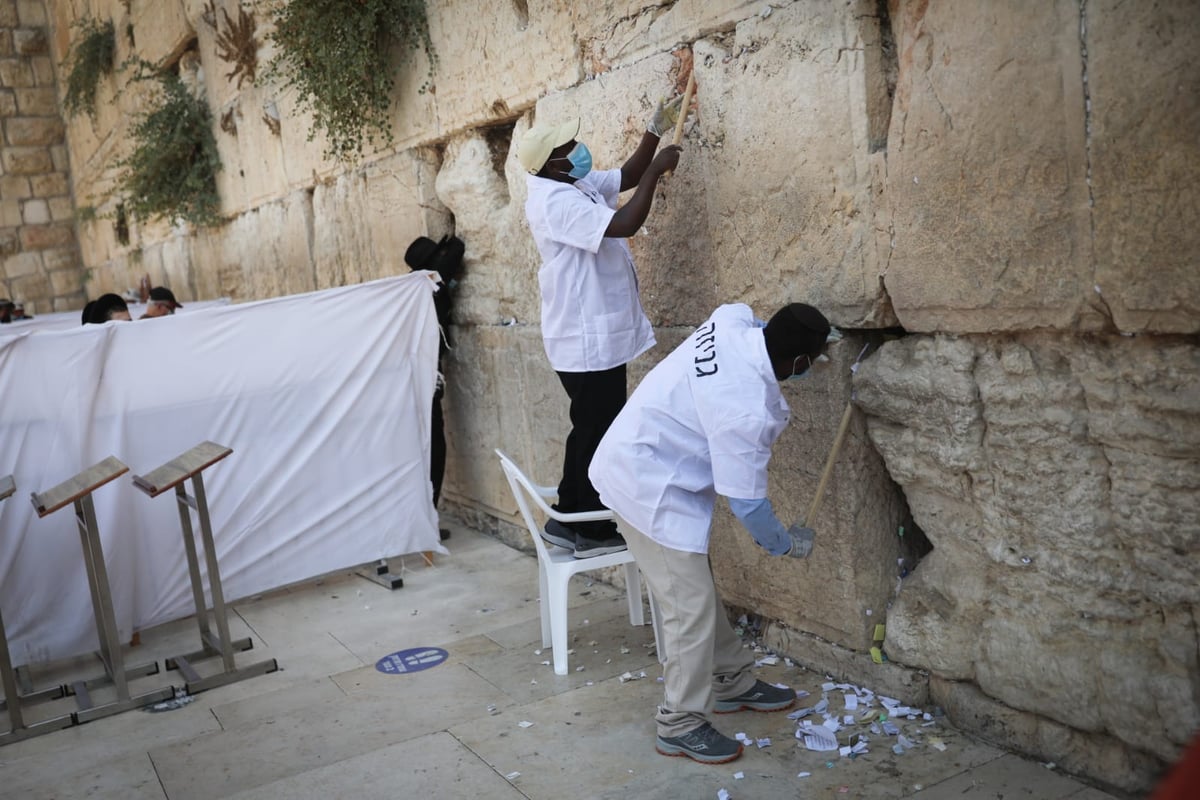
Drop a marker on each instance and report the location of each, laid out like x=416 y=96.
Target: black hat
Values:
x=162 y=294
x=102 y=308
x=796 y=329
x=420 y=253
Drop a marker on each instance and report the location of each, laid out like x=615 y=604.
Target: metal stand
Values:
x=78 y=490
x=380 y=573
x=174 y=475
x=13 y=698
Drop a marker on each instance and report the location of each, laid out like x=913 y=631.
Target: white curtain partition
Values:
x=325 y=399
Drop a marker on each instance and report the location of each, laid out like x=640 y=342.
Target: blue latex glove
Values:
x=768 y=532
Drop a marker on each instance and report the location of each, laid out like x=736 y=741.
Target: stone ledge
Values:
x=842 y=664
x=1118 y=768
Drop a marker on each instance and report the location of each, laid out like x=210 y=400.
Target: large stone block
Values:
x=35 y=212
x=31 y=13
x=1101 y=757
x=987 y=168
x=16 y=72
x=161 y=28
x=44 y=237
x=854 y=559
x=29 y=41
x=40 y=102
x=1144 y=89
x=8 y=14
x=34 y=289
x=629 y=31
x=496 y=58
x=22 y=264
x=49 y=185
x=487 y=364
x=1058 y=479
x=8 y=103
x=263 y=253
x=474 y=182
x=33 y=131
x=15 y=187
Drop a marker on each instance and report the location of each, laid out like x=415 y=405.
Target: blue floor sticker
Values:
x=413 y=659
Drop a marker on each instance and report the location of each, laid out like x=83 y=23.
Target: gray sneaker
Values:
x=705 y=744
x=558 y=534
x=761 y=697
x=586 y=548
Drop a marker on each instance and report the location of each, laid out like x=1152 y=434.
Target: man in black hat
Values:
x=445 y=257
x=703 y=423
x=161 y=303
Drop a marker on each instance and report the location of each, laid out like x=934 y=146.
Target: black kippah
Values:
x=796 y=329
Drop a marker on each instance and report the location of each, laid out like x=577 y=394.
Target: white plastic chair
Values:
x=556 y=565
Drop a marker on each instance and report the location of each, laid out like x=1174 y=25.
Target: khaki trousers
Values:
x=705 y=660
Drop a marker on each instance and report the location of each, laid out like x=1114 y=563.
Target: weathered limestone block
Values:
x=26 y=160
x=500 y=281
x=33 y=131
x=22 y=264
x=364 y=220
x=162 y=29
x=29 y=41
x=8 y=14
x=987 y=168
x=1144 y=87
x=40 y=102
x=8 y=103
x=262 y=253
x=1066 y=565
x=1102 y=757
x=501 y=393
x=790 y=196
x=253 y=162
x=854 y=559
x=16 y=72
x=496 y=58
x=31 y=13
x=621 y=32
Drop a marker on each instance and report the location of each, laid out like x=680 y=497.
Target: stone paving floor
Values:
x=328 y=724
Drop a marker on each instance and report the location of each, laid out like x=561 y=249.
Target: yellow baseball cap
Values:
x=537 y=143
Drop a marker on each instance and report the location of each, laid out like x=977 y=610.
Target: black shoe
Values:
x=586 y=548
x=761 y=697
x=705 y=744
x=558 y=534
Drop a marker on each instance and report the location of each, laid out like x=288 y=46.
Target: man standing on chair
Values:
x=592 y=320
x=703 y=423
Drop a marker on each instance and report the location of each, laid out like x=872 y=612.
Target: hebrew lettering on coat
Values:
x=701 y=373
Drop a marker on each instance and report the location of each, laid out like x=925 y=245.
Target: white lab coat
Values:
x=701 y=423
x=592 y=319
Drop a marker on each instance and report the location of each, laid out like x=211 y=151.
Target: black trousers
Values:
x=437 y=446
x=596 y=399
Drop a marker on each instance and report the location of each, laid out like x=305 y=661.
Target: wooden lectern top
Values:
x=7 y=486
x=180 y=468
x=72 y=489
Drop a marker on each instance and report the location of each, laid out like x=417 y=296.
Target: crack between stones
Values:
x=1087 y=129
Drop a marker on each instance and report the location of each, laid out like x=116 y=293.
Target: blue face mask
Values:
x=581 y=161
x=795 y=376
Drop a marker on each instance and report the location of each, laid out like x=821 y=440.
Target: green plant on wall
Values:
x=89 y=59
x=338 y=56
x=172 y=172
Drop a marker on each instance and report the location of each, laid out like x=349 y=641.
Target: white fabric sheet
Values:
x=325 y=399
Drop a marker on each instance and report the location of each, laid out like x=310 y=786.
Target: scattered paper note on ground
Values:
x=820 y=739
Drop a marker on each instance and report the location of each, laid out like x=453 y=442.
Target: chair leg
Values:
x=544 y=602
x=558 y=622
x=633 y=593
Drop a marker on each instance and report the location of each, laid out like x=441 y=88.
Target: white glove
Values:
x=802 y=542
x=665 y=117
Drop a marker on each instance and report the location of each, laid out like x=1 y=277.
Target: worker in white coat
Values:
x=592 y=319
x=703 y=423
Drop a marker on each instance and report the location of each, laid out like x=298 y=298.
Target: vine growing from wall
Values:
x=341 y=58
x=172 y=172
x=89 y=59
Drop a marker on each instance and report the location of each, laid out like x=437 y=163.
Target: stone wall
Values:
x=39 y=256
x=1011 y=186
